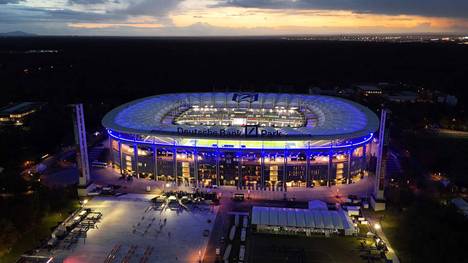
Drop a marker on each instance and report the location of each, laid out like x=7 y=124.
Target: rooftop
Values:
x=19 y=108
x=318 y=117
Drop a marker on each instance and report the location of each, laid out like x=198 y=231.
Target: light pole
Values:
x=84 y=202
x=377 y=226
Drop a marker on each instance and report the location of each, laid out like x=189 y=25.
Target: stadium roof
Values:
x=337 y=118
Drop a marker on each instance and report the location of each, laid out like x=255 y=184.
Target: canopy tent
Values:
x=317 y=205
x=302 y=218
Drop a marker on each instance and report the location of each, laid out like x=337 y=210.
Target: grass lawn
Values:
x=38 y=233
x=392 y=227
x=280 y=248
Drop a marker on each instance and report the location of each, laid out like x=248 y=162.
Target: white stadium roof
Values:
x=337 y=118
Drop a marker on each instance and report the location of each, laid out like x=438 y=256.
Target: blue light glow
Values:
x=334 y=117
x=348 y=144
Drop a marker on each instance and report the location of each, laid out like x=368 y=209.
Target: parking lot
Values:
x=131 y=229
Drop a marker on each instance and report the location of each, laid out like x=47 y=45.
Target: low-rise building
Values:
x=403 y=96
x=369 y=90
x=16 y=113
x=449 y=100
x=461 y=205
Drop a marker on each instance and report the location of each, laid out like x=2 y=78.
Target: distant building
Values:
x=322 y=91
x=461 y=205
x=345 y=92
x=403 y=96
x=447 y=99
x=15 y=114
x=368 y=90
x=335 y=91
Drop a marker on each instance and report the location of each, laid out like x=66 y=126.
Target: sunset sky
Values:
x=232 y=17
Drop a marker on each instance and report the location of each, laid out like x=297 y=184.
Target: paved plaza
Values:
x=131 y=231
x=332 y=194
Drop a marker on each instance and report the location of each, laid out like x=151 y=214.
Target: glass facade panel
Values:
x=165 y=164
x=296 y=169
x=339 y=172
x=251 y=170
x=274 y=170
x=145 y=161
x=207 y=168
x=185 y=167
x=254 y=169
x=319 y=168
x=229 y=168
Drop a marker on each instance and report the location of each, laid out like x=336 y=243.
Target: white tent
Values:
x=318 y=220
x=301 y=219
x=282 y=217
x=309 y=218
x=274 y=218
x=256 y=215
x=317 y=205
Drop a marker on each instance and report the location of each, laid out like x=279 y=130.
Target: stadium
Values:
x=265 y=141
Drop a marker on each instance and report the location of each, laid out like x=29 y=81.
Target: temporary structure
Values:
x=301 y=220
x=317 y=205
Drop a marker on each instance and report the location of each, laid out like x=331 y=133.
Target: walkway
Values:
x=391 y=254
x=337 y=193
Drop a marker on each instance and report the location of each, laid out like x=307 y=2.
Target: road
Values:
x=449 y=133
x=373 y=219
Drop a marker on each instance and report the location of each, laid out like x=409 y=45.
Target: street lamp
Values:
x=377 y=226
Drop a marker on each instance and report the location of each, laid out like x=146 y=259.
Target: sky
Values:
x=232 y=17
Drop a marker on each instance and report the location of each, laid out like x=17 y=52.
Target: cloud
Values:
x=88 y=2
x=151 y=7
x=231 y=17
x=85 y=14
x=21 y=14
x=110 y=11
x=435 y=8
x=4 y=2
x=205 y=29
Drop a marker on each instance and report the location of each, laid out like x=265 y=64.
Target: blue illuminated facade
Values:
x=146 y=142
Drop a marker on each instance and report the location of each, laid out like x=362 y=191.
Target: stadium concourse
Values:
x=332 y=194
x=250 y=141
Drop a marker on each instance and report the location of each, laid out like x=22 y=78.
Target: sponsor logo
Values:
x=245 y=97
x=248 y=131
x=251 y=130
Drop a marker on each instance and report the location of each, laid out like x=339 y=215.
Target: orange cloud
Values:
x=235 y=17
x=113 y=25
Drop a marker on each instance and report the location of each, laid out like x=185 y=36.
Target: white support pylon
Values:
x=81 y=149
